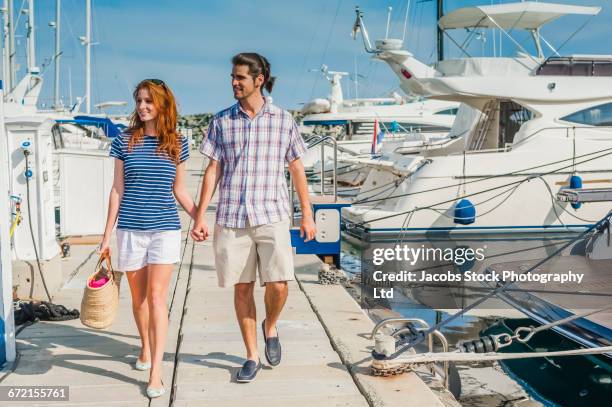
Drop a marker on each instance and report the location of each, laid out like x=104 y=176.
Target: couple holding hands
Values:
x=247 y=145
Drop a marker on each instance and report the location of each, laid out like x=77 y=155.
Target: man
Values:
x=248 y=145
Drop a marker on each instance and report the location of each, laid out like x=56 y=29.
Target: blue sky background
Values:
x=189 y=43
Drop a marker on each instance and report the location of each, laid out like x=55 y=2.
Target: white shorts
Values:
x=137 y=248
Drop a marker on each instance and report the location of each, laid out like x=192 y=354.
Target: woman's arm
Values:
x=114 y=199
x=180 y=192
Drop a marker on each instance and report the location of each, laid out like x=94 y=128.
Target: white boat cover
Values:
x=518 y=66
x=526 y=15
x=401 y=165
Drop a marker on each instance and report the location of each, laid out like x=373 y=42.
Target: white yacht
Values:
x=406 y=122
x=533 y=126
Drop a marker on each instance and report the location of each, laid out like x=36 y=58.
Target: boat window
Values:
x=58 y=138
x=452 y=111
x=511 y=118
x=576 y=66
x=600 y=115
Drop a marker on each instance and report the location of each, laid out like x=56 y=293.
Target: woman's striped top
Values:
x=148 y=198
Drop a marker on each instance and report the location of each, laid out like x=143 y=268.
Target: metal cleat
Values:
x=385 y=360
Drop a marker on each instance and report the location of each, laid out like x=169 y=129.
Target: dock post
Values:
x=326 y=244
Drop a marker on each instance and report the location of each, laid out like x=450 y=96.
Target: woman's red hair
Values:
x=163 y=99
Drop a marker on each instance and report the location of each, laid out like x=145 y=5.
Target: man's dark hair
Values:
x=258 y=65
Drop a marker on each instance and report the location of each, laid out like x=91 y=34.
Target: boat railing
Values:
x=484 y=151
x=566 y=128
x=510 y=146
x=341 y=149
x=425 y=145
x=321 y=141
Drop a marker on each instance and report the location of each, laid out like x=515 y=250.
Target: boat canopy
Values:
x=526 y=15
x=110 y=129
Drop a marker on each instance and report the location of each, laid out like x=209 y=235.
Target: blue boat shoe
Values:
x=273 y=346
x=248 y=371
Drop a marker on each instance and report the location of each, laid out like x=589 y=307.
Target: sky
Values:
x=189 y=44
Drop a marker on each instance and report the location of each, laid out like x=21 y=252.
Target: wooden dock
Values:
x=322 y=330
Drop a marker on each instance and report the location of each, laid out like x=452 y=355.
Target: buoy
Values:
x=575 y=183
x=465 y=212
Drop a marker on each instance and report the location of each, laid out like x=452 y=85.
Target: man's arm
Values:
x=307 y=228
x=211 y=147
x=211 y=178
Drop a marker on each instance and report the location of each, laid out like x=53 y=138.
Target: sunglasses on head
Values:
x=157 y=82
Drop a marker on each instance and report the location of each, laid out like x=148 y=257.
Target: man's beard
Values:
x=245 y=95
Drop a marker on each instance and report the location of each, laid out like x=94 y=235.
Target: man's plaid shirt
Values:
x=253 y=153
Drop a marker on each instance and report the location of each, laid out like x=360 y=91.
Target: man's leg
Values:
x=236 y=264
x=244 y=303
x=275 y=258
x=275 y=298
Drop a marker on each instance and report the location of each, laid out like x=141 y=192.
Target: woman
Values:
x=149 y=169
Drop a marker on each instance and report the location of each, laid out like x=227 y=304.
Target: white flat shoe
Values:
x=138 y=365
x=154 y=393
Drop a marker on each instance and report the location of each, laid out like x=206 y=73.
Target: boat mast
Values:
x=356 y=78
x=10 y=47
x=440 y=41
x=31 y=55
x=70 y=86
x=58 y=54
x=87 y=43
x=6 y=76
x=4 y=48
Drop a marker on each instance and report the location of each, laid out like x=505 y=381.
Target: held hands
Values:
x=199 y=232
x=308 y=228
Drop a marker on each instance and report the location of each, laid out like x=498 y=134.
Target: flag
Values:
x=377 y=138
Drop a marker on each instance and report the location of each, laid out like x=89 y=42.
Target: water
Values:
x=461 y=328
x=563 y=381
x=539 y=378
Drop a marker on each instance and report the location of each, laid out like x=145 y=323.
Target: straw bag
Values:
x=99 y=304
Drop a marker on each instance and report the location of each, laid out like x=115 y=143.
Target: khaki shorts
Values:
x=241 y=252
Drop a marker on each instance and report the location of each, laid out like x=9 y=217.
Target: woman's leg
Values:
x=137 y=280
x=157 y=294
